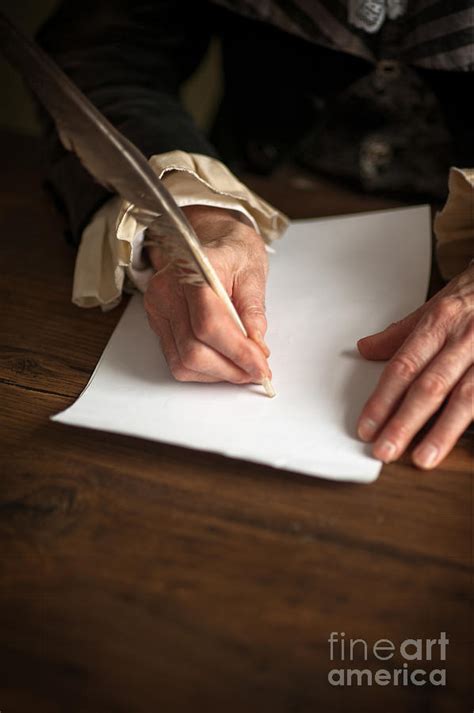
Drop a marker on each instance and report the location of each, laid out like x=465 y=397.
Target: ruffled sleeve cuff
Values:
x=454 y=225
x=111 y=248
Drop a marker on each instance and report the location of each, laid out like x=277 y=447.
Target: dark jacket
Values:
x=285 y=97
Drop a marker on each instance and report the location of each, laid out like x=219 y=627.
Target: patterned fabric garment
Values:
x=370 y=15
x=434 y=34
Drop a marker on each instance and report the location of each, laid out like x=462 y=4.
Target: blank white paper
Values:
x=331 y=282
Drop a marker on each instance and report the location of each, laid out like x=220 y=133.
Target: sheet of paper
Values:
x=331 y=282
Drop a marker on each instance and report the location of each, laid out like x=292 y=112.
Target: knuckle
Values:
x=242 y=357
x=398 y=429
x=256 y=311
x=404 y=367
x=432 y=384
x=179 y=372
x=205 y=327
x=461 y=342
x=192 y=356
x=445 y=308
x=255 y=317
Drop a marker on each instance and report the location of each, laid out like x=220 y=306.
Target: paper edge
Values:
x=356 y=478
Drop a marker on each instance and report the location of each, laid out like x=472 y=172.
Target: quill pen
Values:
x=115 y=162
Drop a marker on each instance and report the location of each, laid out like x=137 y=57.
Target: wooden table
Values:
x=142 y=578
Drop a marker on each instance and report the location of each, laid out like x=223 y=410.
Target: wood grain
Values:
x=139 y=577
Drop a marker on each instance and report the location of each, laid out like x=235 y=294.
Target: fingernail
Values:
x=386 y=451
x=426 y=456
x=268 y=386
x=261 y=343
x=258 y=376
x=367 y=428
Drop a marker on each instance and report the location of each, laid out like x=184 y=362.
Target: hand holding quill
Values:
x=116 y=163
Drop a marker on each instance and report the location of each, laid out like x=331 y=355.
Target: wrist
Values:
x=205 y=216
x=213 y=223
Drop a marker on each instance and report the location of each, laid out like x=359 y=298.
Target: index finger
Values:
x=402 y=369
x=212 y=324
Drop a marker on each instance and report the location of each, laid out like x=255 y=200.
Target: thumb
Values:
x=383 y=345
x=249 y=299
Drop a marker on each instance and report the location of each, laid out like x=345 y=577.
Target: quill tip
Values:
x=268 y=386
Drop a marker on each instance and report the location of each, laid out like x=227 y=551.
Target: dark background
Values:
x=200 y=95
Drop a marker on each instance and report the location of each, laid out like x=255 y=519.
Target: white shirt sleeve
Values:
x=111 y=248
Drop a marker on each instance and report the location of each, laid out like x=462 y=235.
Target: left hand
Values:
x=431 y=360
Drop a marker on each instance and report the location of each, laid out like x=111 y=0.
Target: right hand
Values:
x=199 y=339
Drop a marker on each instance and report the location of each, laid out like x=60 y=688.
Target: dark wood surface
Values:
x=142 y=578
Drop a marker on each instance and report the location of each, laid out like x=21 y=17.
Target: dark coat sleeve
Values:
x=130 y=59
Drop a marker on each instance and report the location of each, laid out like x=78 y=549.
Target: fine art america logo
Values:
x=416 y=655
